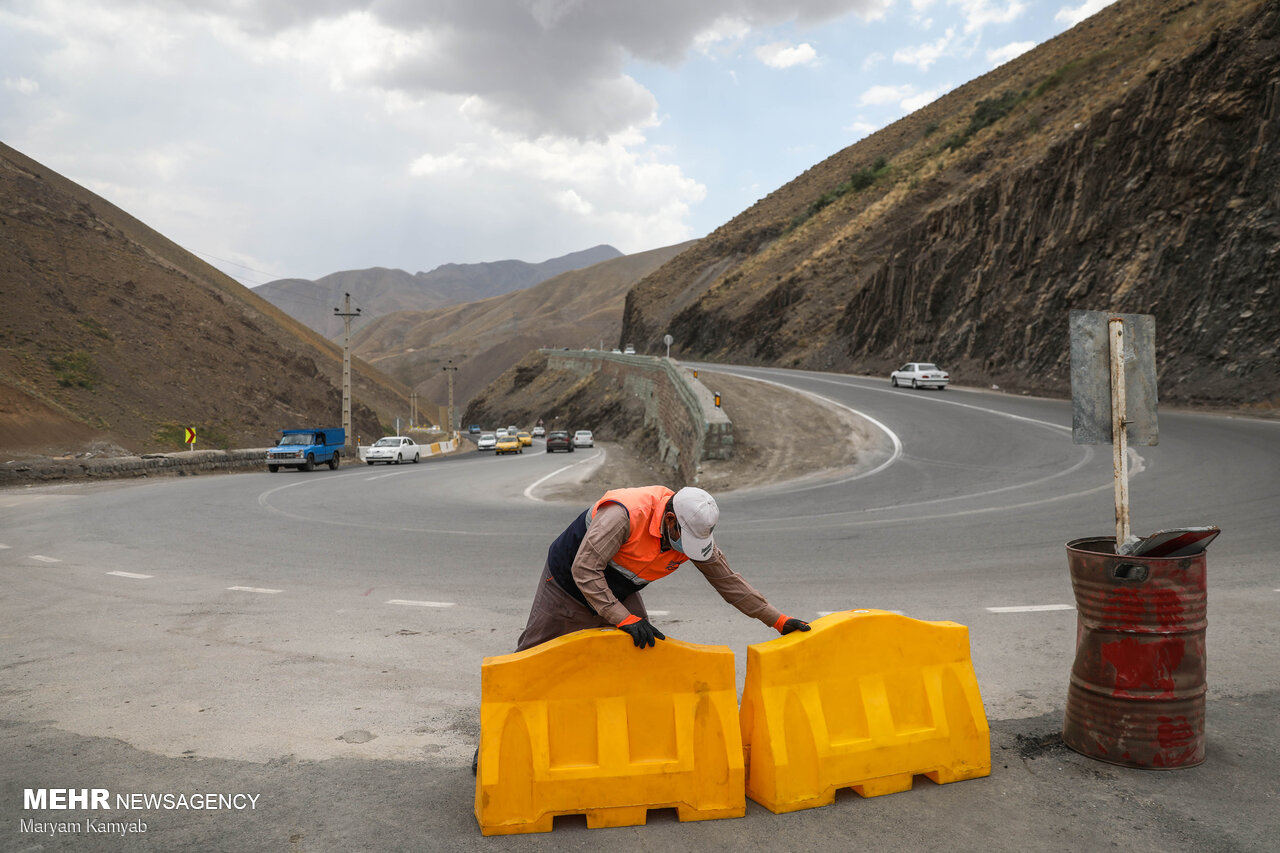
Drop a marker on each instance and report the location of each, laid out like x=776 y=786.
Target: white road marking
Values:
x=421 y=603
x=830 y=612
x=130 y=575
x=255 y=589
x=1031 y=608
x=659 y=612
x=893 y=436
x=45 y=559
x=3 y=547
x=528 y=492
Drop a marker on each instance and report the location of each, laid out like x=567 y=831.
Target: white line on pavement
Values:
x=421 y=603
x=45 y=559
x=3 y=547
x=830 y=612
x=528 y=492
x=1031 y=608
x=255 y=589
x=130 y=575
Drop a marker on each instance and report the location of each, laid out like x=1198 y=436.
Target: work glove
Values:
x=786 y=624
x=642 y=632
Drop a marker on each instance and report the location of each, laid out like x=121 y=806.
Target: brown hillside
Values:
x=1130 y=164
x=579 y=308
x=112 y=333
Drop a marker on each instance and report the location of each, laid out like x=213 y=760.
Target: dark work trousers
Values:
x=555 y=613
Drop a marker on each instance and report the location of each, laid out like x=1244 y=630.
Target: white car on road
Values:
x=393 y=449
x=582 y=438
x=487 y=441
x=919 y=374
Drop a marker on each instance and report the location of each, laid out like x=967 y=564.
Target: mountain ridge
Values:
x=379 y=291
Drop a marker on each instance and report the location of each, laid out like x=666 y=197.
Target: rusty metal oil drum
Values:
x=1137 y=691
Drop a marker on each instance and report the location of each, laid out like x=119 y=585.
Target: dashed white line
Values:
x=659 y=612
x=3 y=547
x=130 y=575
x=421 y=603
x=1031 y=608
x=255 y=589
x=42 y=558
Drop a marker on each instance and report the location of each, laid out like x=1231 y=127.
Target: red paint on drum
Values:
x=1137 y=690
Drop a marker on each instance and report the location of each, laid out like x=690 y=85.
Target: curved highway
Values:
x=345 y=614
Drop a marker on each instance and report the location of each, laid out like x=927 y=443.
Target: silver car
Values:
x=920 y=374
x=486 y=441
x=582 y=438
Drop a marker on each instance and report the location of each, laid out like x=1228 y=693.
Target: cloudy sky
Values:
x=295 y=138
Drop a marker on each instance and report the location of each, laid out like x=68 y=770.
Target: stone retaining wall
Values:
x=691 y=427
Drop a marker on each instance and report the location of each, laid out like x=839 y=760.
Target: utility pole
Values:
x=346 y=314
x=450 y=370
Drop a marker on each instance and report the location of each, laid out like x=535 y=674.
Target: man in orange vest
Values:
x=629 y=538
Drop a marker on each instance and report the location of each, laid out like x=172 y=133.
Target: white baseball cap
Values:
x=697 y=515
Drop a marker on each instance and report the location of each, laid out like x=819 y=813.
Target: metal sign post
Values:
x=1119 y=428
x=1113 y=392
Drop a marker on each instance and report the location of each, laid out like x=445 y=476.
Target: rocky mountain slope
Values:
x=580 y=308
x=380 y=291
x=113 y=334
x=1132 y=164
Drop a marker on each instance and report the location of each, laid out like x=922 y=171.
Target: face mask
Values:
x=675 y=543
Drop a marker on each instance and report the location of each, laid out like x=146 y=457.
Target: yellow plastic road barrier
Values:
x=865 y=700
x=589 y=724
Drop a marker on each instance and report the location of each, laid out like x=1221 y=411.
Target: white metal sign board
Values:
x=1091 y=401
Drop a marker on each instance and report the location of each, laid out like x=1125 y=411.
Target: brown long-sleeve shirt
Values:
x=610 y=528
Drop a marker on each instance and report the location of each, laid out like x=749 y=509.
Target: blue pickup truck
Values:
x=306 y=448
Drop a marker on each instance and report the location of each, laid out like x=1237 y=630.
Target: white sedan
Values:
x=919 y=374
x=582 y=438
x=393 y=449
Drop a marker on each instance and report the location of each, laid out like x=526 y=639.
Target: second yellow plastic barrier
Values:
x=589 y=724
x=865 y=700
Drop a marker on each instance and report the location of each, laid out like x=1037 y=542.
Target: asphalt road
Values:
x=314 y=640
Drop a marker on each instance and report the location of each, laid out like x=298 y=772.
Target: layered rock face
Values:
x=1162 y=198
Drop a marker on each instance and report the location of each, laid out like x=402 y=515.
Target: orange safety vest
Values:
x=641 y=558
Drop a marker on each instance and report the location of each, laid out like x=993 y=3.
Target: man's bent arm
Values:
x=734 y=589
x=605 y=535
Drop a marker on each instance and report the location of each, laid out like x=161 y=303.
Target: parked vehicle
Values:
x=919 y=374
x=393 y=449
x=526 y=440
x=558 y=439
x=508 y=444
x=486 y=441
x=305 y=448
x=582 y=438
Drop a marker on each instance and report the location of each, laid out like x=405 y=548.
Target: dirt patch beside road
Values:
x=778 y=435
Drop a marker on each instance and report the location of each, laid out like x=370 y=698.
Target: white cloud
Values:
x=783 y=55
x=21 y=85
x=922 y=56
x=1072 y=15
x=1001 y=55
x=872 y=60
x=860 y=128
x=979 y=14
x=879 y=95
x=923 y=99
